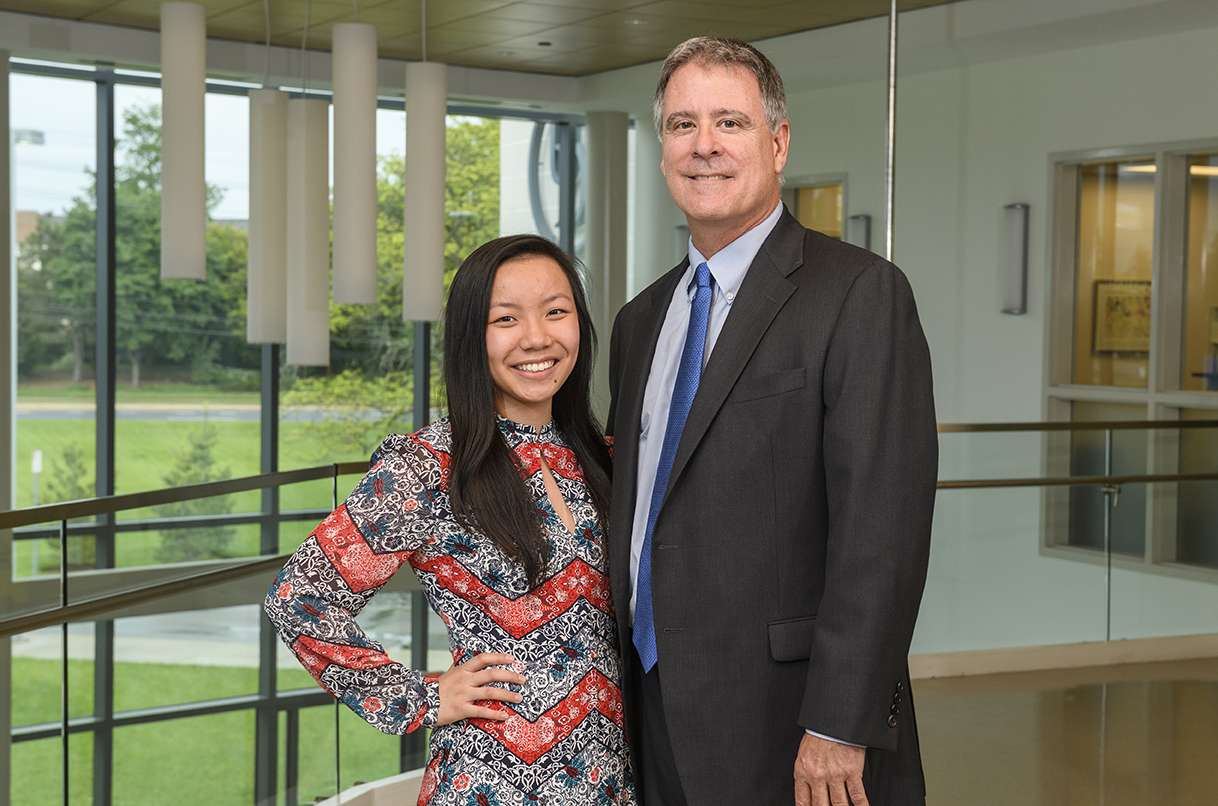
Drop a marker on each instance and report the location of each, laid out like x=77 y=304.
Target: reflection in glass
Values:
x=1116 y=208
x=1201 y=285
x=820 y=208
x=1087 y=503
x=1197 y=501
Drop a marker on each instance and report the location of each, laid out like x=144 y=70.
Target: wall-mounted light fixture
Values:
x=1014 y=282
x=183 y=187
x=858 y=230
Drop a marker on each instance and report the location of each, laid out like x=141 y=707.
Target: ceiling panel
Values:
x=585 y=36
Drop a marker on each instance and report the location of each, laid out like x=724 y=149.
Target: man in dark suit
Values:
x=774 y=477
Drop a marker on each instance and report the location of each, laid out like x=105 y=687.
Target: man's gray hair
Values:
x=707 y=51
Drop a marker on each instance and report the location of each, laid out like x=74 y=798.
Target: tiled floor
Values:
x=1135 y=735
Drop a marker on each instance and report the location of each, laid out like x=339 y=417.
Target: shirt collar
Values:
x=729 y=264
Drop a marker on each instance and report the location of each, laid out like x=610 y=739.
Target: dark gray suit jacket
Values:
x=789 y=557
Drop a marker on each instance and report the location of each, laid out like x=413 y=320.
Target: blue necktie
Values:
x=688 y=374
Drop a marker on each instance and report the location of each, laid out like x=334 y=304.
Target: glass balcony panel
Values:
x=989 y=586
x=1129 y=457
x=183 y=657
x=1116 y=215
x=193 y=761
x=1201 y=298
x=36 y=769
x=1197 y=512
x=317 y=754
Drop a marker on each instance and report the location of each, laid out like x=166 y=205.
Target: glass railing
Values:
x=129 y=680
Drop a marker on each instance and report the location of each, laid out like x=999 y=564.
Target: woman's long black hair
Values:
x=487 y=492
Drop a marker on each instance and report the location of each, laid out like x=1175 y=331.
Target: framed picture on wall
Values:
x=1214 y=326
x=1122 y=316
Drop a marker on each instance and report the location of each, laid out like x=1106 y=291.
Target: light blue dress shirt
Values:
x=728 y=267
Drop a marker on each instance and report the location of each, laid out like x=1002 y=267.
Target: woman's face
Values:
x=532 y=337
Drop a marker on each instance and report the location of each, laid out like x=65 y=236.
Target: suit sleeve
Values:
x=335 y=573
x=881 y=464
x=615 y=352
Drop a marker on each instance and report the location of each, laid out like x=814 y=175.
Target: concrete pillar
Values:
x=606 y=183
x=655 y=215
x=8 y=399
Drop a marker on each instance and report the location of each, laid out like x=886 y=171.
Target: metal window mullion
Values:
x=104 y=372
x=567 y=185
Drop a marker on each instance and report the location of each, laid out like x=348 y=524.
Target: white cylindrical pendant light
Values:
x=183 y=188
x=266 y=313
x=424 y=233
x=354 y=70
x=308 y=247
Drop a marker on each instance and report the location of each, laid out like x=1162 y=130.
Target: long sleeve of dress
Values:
x=337 y=570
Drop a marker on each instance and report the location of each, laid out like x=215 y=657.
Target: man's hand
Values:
x=826 y=772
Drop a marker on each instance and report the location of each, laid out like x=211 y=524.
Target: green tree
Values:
x=158 y=323
x=195 y=464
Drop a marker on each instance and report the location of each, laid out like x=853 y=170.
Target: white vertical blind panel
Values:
x=308 y=249
x=423 y=266
x=266 y=314
x=183 y=188
x=354 y=71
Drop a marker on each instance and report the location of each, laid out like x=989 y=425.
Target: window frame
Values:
x=1163 y=398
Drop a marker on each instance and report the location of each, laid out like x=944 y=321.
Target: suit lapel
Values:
x=762 y=294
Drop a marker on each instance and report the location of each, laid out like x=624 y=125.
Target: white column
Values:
x=308 y=250
x=424 y=226
x=354 y=71
x=655 y=215
x=183 y=188
x=8 y=442
x=605 y=176
x=266 y=308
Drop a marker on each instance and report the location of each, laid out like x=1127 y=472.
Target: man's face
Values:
x=720 y=159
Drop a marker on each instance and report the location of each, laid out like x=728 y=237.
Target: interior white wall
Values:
x=975 y=133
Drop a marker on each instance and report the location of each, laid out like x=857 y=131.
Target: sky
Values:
x=47 y=177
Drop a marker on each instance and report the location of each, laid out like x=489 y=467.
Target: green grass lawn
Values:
x=160 y=762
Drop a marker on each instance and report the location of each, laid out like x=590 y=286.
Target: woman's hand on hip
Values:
x=463 y=686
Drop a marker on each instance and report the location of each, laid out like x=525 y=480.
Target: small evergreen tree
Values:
x=70 y=481
x=195 y=464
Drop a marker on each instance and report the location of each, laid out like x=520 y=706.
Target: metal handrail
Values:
x=1073 y=425
x=107 y=504
x=86 y=609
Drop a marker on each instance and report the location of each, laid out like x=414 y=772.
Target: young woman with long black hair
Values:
x=500 y=510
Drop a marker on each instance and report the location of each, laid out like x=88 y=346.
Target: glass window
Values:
x=1201 y=283
x=820 y=208
x=1087 y=458
x=54 y=157
x=160 y=762
x=1116 y=213
x=187 y=383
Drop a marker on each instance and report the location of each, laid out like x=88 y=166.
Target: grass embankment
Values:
x=203 y=761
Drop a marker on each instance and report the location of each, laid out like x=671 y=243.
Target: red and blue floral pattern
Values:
x=562 y=745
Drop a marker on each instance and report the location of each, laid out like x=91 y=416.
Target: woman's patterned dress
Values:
x=564 y=744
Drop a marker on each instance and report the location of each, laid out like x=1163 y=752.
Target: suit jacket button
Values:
x=900 y=686
x=896 y=698
x=892 y=721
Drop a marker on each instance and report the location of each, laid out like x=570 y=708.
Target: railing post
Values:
x=1108 y=503
x=63 y=666
x=266 y=728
